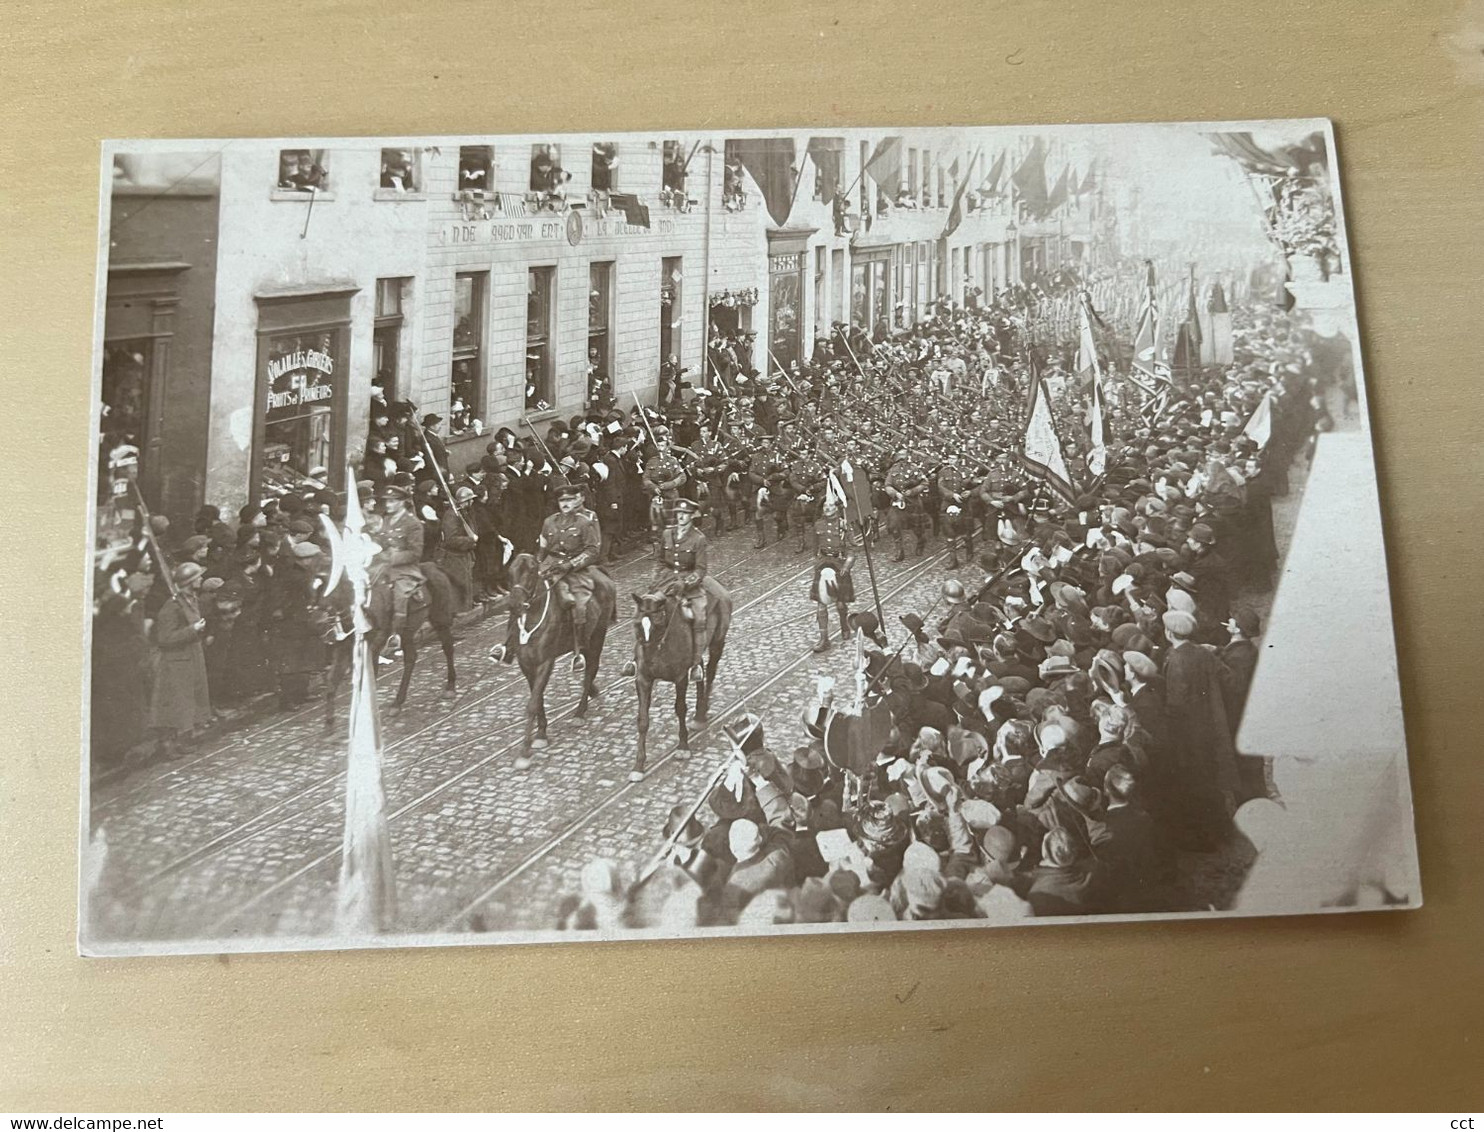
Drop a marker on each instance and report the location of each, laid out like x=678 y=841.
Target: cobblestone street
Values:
x=242 y=839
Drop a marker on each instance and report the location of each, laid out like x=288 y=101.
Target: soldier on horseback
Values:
x=395 y=567
x=569 y=547
x=680 y=573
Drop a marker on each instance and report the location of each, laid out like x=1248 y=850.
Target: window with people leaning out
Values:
x=548 y=179
x=466 y=388
x=605 y=167
x=672 y=177
x=399 y=172
x=303 y=170
x=476 y=168
x=539 y=393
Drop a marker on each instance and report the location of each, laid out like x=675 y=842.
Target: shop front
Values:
x=787 y=258
x=299 y=433
x=870 y=294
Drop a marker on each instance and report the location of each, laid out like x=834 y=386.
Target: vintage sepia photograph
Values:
x=534 y=539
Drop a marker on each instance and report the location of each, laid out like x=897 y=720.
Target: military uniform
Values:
x=770 y=486
x=955 y=495
x=664 y=476
x=905 y=487
x=400 y=537
x=680 y=572
x=806 y=489
x=567 y=550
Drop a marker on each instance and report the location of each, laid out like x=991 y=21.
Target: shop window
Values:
x=400 y=172
x=476 y=169
x=466 y=389
x=304 y=371
x=605 y=167
x=785 y=307
x=303 y=171
x=599 y=307
x=671 y=279
x=126 y=392
x=539 y=311
x=387 y=336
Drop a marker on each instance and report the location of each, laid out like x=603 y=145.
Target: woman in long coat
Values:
x=180 y=702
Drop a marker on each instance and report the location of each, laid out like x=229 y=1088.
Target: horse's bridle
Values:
x=520 y=621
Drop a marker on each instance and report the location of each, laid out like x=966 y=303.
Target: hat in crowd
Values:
x=305 y=549
x=869 y=625
x=744 y=838
x=430 y=419
x=1245 y=620
x=1059 y=848
x=195 y=543
x=1000 y=845
x=914 y=677
x=1040 y=629
x=1014 y=685
x=186 y=573
x=1087 y=800
x=1180 y=600
x=1055 y=667
x=1178 y=623
x=745 y=732
x=1201 y=533
x=393 y=491
x=566 y=489
x=683 y=826
x=301 y=527
x=683 y=506
x=1140 y=665
x=953 y=592
x=912 y=622
x=920 y=856
x=979 y=814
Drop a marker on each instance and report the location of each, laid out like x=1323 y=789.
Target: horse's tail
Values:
x=827 y=586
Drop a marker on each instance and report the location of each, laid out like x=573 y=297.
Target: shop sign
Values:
x=298 y=379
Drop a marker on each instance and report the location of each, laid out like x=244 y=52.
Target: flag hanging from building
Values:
x=885 y=164
x=991 y=186
x=1259 y=427
x=1041 y=451
x=1058 y=195
x=826 y=153
x=956 y=210
x=1029 y=179
x=770 y=161
x=1087 y=181
x=635 y=212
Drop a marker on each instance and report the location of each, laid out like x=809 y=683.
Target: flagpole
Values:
x=366 y=896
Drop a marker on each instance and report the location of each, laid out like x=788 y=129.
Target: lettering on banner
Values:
x=516 y=231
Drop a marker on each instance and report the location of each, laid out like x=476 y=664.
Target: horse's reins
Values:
x=520 y=622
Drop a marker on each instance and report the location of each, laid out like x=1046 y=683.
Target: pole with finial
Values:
x=367 y=897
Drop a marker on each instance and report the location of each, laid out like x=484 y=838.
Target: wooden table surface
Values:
x=1369 y=1011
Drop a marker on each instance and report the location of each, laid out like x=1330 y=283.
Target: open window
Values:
x=539 y=291
x=476 y=169
x=400 y=170
x=303 y=171
x=605 y=166
x=466 y=393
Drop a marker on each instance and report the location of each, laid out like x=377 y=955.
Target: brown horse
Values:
x=540 y=631
x=431 y=605
x=662 y=651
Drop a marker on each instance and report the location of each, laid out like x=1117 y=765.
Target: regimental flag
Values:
x=1259 y=427
x=956 y=210
x=991 y=186
x=635 y=212
x=853 y=490
x=1097 y=431
x=1041 y=451
x=1029 y=179
x=1145 y=370
x=770 y=161
x=1088 y=367
x=885 y=164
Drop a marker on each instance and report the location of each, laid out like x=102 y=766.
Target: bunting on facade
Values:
x=770 y=162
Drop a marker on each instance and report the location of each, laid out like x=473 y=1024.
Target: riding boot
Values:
x=580 y=631
x=698 y=650
x=822 y=614
x=762 y=537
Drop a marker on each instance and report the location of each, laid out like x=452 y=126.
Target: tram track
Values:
x=698 y=734
x=304 y=801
